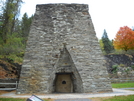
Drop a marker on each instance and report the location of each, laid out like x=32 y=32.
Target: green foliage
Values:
x=120 y=98
x=20 y=99
x=122 y=65
x=114 y=68
x=123 y=85
x=101 y=45
x=13 y=45
x=13 y=32
x=107 y=44
x=1 y=23
x=132 y=67
x=10 y=12
x=12 y=99
x=13 y=48
x=25 y=24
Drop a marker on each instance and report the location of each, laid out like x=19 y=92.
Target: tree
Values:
x=10 y=13
x=25 y=26
x=107 y=44
x=10 y=39
x=1 y=16
x=101 y=45
x=124 y=39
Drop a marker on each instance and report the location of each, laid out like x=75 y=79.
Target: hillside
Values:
x=9 y=70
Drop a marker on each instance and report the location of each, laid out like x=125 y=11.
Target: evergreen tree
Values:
x=10 y=13
x=25 y=26
x=107 y=44
x=101 y=45
x=10 y=40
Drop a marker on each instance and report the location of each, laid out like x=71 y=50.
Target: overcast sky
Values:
x=105 y=14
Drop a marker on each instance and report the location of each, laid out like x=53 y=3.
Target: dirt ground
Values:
x=93 y=99
x=4 y=92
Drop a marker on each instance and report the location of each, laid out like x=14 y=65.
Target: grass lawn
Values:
x=120 y=98
x=12 y=99
x=115 y=98
x=19 y=99
x=123 y=85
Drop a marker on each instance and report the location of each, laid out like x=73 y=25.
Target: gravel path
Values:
x=73 y=96
x=127 y=88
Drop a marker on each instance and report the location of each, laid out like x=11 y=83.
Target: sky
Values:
x=106 y=14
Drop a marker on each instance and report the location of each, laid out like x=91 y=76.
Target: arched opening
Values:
x=63 y=83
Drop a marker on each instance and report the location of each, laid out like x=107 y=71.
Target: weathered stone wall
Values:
x=125 y=77
x=124 y=59
x=124 y=71
x=119 y=80
x=53 y=25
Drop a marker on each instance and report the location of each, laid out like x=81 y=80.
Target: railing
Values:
x=9 y=84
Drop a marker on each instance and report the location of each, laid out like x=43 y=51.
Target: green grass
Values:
x=121 y=98
x=12 y=99
x=123 y=85
x=19 y=99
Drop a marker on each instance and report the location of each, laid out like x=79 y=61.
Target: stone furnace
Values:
x=63 y=54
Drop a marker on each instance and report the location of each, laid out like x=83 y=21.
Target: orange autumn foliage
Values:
x=124 y=39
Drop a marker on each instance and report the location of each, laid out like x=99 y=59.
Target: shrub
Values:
x=114 y=68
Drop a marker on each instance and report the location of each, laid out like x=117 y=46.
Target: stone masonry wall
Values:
x=53 y=25
x=120 y=59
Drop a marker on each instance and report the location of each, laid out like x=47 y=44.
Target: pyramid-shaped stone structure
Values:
x=63 y=54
